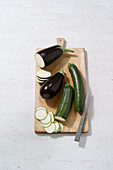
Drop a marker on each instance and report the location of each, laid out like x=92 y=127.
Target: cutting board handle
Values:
x=60 y=41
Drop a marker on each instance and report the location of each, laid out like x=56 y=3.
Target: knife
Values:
x=79 y=131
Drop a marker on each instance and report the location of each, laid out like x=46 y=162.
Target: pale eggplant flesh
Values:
x=40 y=81
x=52 y=86
x=43 y=74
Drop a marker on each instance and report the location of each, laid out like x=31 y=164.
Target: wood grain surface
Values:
x=73 y=120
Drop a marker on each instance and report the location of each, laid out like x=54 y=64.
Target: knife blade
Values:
x=79 y=131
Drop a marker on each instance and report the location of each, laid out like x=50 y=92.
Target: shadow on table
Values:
x=84 y=136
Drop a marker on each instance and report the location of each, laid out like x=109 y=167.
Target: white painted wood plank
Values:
x=26 y=25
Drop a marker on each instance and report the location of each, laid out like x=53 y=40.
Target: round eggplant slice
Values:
x=52 y=86
x=40 y=81
x=43 y=74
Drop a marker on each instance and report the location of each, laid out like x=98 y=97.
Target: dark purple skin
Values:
x=52 y=86
x=50 y=54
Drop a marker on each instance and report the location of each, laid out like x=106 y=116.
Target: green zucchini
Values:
x=65 y=103
x=79 y=91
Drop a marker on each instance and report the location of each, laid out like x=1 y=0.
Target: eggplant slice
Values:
x=40 y=81
x=43 y=74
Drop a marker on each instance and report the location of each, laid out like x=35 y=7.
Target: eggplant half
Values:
x=47 y=56
x=52 y=86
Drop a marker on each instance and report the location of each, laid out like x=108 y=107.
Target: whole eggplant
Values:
x=47 y=56
x=52 y=86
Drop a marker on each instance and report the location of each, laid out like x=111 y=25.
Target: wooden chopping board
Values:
x=73 y=120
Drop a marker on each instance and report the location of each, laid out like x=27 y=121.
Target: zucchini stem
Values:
x=67 y=84
x=69 y=64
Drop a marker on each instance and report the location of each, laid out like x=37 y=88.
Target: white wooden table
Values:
x=26 y=25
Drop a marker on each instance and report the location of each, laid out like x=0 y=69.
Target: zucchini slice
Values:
x=41 y=107
x=46 y=120
x=43 y=74
x=52 y=116
x=50 y=129
x=61 y=126
x=47 y=125
x=40 y=114
x=60 y=118
x=57 y=127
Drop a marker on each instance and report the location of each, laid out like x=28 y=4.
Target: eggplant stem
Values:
x=61 y=71
x=68 y=50
x=65 y=49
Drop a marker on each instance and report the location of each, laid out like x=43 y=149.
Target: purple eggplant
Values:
x=52 y=86
x=47 y=56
